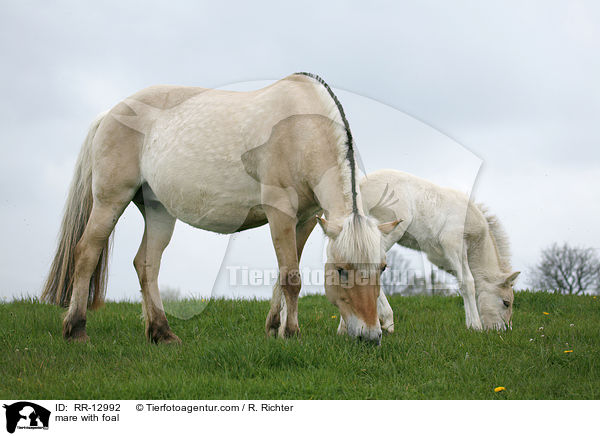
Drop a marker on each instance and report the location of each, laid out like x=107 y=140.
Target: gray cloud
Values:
x=515 y=83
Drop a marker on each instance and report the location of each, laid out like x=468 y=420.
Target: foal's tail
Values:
x=59 y=284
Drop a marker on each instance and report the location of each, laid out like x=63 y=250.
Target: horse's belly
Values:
x=206 y=195
x=226 y=218
x=224 y=212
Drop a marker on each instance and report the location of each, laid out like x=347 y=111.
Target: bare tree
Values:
x=567 y=270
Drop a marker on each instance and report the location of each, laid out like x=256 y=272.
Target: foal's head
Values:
x=355 y=261
x=495 y=302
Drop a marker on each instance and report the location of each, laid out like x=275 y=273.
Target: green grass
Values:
x=225 y=354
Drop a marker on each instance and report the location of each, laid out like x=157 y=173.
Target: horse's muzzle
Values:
x=358 y=329
x=373 y=336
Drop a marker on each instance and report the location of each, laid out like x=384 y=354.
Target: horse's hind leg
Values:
x=158 y=229
x=100 y=224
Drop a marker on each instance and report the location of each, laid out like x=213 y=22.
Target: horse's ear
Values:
x=510 y=280
x=330 y=229
x=386 y=228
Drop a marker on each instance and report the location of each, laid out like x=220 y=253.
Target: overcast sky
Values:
x=501 y=98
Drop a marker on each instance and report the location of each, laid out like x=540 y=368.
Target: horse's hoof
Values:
x=164 y=336
x=272 y=325
x=74 y=331
x=159 y=332
x=170 y=339
x=80 y=337
x=292 y=332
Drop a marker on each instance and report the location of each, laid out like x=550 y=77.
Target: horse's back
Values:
x=196 y=147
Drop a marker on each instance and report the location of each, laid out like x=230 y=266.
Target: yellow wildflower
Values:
x=545 y=313
x=333 y=317
x=568 y=351
x=499 y=389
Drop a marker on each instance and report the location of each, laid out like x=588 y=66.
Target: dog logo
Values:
x=26 y=415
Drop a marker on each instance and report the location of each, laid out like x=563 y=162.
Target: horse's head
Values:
x=355 y=261
x=495 y=302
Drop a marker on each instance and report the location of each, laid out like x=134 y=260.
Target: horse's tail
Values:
x=59 y=284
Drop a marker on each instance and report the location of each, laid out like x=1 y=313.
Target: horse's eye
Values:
x=343 y=274
x=384 y=267
x=506 y=303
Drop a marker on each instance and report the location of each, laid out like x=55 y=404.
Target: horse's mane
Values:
x=359 y=242
x=499 y=237
x=349 y=155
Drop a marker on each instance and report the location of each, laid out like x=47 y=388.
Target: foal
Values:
x=458 y=236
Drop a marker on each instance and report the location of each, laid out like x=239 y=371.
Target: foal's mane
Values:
x=499 y=237
x=349 y=156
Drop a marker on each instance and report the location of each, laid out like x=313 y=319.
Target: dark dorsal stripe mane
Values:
x=349 y=141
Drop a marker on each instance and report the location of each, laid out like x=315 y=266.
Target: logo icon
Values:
x=26 y=415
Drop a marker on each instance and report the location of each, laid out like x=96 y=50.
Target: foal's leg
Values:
x=385 y=313
x=158 y=229
x=384 y=310
x=100 y=224
x=277 y=317
x=472 y=317
x=342 y=327
x=467 y=287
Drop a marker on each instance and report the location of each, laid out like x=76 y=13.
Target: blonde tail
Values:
x=59 y=284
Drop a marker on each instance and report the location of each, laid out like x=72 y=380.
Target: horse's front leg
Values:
x=277 y=317
x=283 y=233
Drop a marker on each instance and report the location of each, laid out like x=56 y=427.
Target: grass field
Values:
x=225 y=354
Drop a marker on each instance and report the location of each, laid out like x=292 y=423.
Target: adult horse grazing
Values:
x=457 y=236
x=222 y=161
